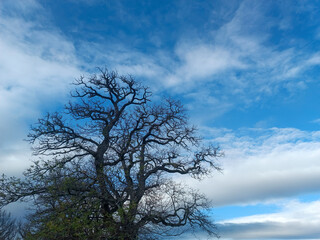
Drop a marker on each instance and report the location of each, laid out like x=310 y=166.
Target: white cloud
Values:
x=36 y=67
x=202 y=61
x=237 y=64
x=317 y=121
x=261 y=165
x=19 y=7
x=125 y=60
x=240 y=60
x=296 y=220
x=15 y=158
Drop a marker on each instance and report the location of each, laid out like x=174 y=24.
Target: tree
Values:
x=8 y=227
x=106 y=166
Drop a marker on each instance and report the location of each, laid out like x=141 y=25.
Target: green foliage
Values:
x=66 y=220
x=105 y=166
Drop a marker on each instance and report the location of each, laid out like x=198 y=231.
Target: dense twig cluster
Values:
x=109 y=157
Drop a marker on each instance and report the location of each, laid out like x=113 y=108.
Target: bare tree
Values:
x=8 y=227
x=107 y=164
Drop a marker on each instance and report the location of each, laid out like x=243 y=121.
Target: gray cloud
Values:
x=270 y=230
x=296 y=220
x=261 y=165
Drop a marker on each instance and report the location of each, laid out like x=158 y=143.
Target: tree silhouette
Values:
x=107 y=164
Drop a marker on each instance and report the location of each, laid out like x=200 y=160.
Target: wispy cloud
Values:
x=240 y=56
x=201 y=62
x=238 y=63
x=317 y=121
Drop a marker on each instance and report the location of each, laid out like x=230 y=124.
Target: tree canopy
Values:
x=108 y=166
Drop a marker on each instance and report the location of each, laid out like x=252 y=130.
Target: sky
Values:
x=246 y=71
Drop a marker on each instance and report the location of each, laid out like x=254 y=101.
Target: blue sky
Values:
x=247 y=71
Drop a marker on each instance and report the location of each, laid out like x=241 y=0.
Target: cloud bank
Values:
x=263 y=164
x=266 y=166
x=296 y=220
